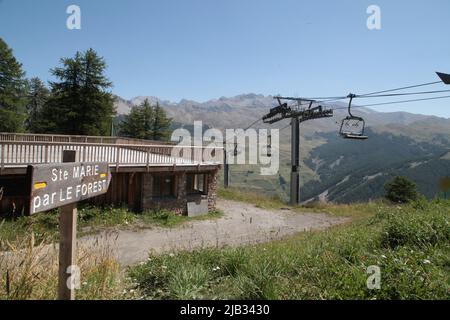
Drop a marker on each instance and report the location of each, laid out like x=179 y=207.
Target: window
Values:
x=163 y=186
x=196 y=183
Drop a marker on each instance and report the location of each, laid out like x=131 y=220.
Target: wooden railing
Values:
x=21 y=153
x=32 y=137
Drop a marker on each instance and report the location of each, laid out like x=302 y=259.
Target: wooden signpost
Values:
x=63 y=185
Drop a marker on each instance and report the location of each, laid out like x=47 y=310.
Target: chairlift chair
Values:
x=352 y=127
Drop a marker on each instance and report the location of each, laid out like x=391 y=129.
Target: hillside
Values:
x=333 y=169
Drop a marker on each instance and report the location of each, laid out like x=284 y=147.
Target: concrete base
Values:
x=195 y=209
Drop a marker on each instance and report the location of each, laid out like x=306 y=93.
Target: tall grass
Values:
x=29 y=270
x=410 y=244
x=29 y=258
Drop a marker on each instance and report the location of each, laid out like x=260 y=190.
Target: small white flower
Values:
x=171 y=255
x=383 y=256
x=84 y=283
x=426 y=261
x=216 y=268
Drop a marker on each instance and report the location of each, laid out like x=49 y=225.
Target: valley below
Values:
x=332 y=168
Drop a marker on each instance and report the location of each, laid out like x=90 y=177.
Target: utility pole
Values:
x=226 y=169
x=297 y=114
x=295 y=161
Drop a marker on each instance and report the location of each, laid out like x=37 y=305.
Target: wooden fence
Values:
x=31 y=137
x=21 y=150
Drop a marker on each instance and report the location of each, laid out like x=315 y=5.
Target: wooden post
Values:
x=226 y=170
x=2 y=166
x=295 y=161
x=117 y=158
x=67 y=241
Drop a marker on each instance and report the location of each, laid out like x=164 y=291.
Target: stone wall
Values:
x=178 y=203
x=212 y=189
x=147 y=190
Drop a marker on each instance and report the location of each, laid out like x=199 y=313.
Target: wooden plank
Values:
x=67 y=244
x=134 y=168
x=131 y=191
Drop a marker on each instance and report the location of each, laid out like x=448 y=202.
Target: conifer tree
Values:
x=80 y=102
x=161 y=124
x=146 y=122
x=12 y=91
x=139 y=123
x=38 y=94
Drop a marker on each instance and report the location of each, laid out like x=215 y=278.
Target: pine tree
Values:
x=161 y=124
x=80 y=103
x=38 y=94
x=146 y=122
x=139 y=123
x=401 y=190
x=12 y=91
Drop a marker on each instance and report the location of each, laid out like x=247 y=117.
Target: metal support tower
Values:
x=297 y=115
x=295 y=161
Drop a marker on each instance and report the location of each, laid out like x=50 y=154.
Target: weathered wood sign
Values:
x=56 y=185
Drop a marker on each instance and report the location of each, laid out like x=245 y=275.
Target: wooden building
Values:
x=145 y=174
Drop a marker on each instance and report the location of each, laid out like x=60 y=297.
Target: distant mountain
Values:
x=357 y=170
x=333 y=168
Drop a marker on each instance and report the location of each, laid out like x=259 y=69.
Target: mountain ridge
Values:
x=332 y=169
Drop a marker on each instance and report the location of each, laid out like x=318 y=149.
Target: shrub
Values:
x=401 y=190
x=417 y=227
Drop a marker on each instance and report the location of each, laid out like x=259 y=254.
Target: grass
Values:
x=91 y=220
x=258 y=199
x=165 y=218
x=29 y=267
x=29 y=270
x=410 y=244
x=355 y=210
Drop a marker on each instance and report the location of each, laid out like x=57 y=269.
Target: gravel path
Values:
x=242 y=223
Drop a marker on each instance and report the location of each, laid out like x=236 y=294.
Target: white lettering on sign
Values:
x=55 y=186
x=85 y=171
x=66 y=194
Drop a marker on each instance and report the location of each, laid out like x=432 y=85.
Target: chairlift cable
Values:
x=376 y=94
x=394 y=102
x=404 y=101
x=401 y=94
x=401 y=88
x=251 y=125
x=334 y=99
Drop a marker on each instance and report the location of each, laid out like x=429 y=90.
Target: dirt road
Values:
x=241 y=224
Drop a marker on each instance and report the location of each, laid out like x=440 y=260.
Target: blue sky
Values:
x=205 y=49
